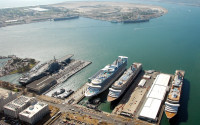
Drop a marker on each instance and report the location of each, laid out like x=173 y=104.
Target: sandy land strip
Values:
x=87 y=6
x=114 y=11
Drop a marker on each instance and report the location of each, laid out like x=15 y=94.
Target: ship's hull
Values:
x=32 y=79
x=108 y=82
x=170 y=115
x=110 y=98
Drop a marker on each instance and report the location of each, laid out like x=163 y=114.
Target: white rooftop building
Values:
x=34 y=113
x=155 y=97
x=142 y=83
x=5 y=97
x=16 y=106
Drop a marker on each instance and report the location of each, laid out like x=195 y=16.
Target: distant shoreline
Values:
x=118 y=12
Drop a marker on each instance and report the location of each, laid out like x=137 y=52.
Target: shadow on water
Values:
x=182 y=115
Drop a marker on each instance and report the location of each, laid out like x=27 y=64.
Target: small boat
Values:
x=58 y=92
x=66 y=94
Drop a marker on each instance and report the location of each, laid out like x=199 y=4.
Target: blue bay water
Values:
x=167 y=43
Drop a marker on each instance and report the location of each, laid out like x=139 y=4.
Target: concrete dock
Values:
x=77 y=96
x=135 y=98
x=67 y=72
x=70 y=70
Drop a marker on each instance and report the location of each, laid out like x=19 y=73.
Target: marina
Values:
x=134 y=101
x=134 y=94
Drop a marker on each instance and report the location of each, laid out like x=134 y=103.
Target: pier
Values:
x=70 y=70
x=133 y=106
x=67 y=72
x=135 y=98
x=77 y=96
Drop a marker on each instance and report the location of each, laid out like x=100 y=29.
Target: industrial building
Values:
x=6 y=96
x=14 y=107
x=41 y=85
x=154 y=98
x=34 y=113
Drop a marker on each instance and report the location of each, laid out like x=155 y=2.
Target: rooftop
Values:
x=158 y=89
x=33 y=109
x=4 y=93
x=41 y=83
x=151 y=108
x=155 y=96
x=17 y=103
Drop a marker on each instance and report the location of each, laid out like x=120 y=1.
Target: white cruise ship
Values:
x=118 y=88
x=173 y=99
x=106 y=76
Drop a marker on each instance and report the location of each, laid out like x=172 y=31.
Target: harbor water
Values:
x=165 y=44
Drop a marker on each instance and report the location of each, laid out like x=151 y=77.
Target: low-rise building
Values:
x=6 y=96
x=34 y=113
x=14 y=107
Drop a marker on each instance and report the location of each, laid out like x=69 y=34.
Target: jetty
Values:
x=77 y=96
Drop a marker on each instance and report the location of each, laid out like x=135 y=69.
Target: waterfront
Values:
x=167 y=43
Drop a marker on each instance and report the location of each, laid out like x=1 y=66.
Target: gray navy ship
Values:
x=44 y=69
x=106 y=76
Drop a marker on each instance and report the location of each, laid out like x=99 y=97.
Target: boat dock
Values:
x=133 y=96
x=67 y=72
x=134 y=99
x=70 y=70
x=77 y=96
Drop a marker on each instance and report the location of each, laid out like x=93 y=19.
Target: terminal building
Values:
x=41 y=85
x=14 y=107
x=154 y=98
x=34 y=113
x=6 y=96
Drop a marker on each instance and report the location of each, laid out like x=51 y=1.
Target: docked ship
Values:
x=118 y=88
x=66 y=18
x=44 y=69
x=172 y=103
x=105 y=77
x=39 y=72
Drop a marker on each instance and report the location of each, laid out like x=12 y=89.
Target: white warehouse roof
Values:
x=157 y=92
x=142 y=82
x=155 y=96
x=162 y=79
x=151 y=108
x=158 y=89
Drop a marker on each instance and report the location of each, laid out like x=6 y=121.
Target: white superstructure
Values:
x=34 y=113
x=106 y=76
x=14 y=107
x=172 y=104
x=6 y=96
x=118 y=88
x=155 y=97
